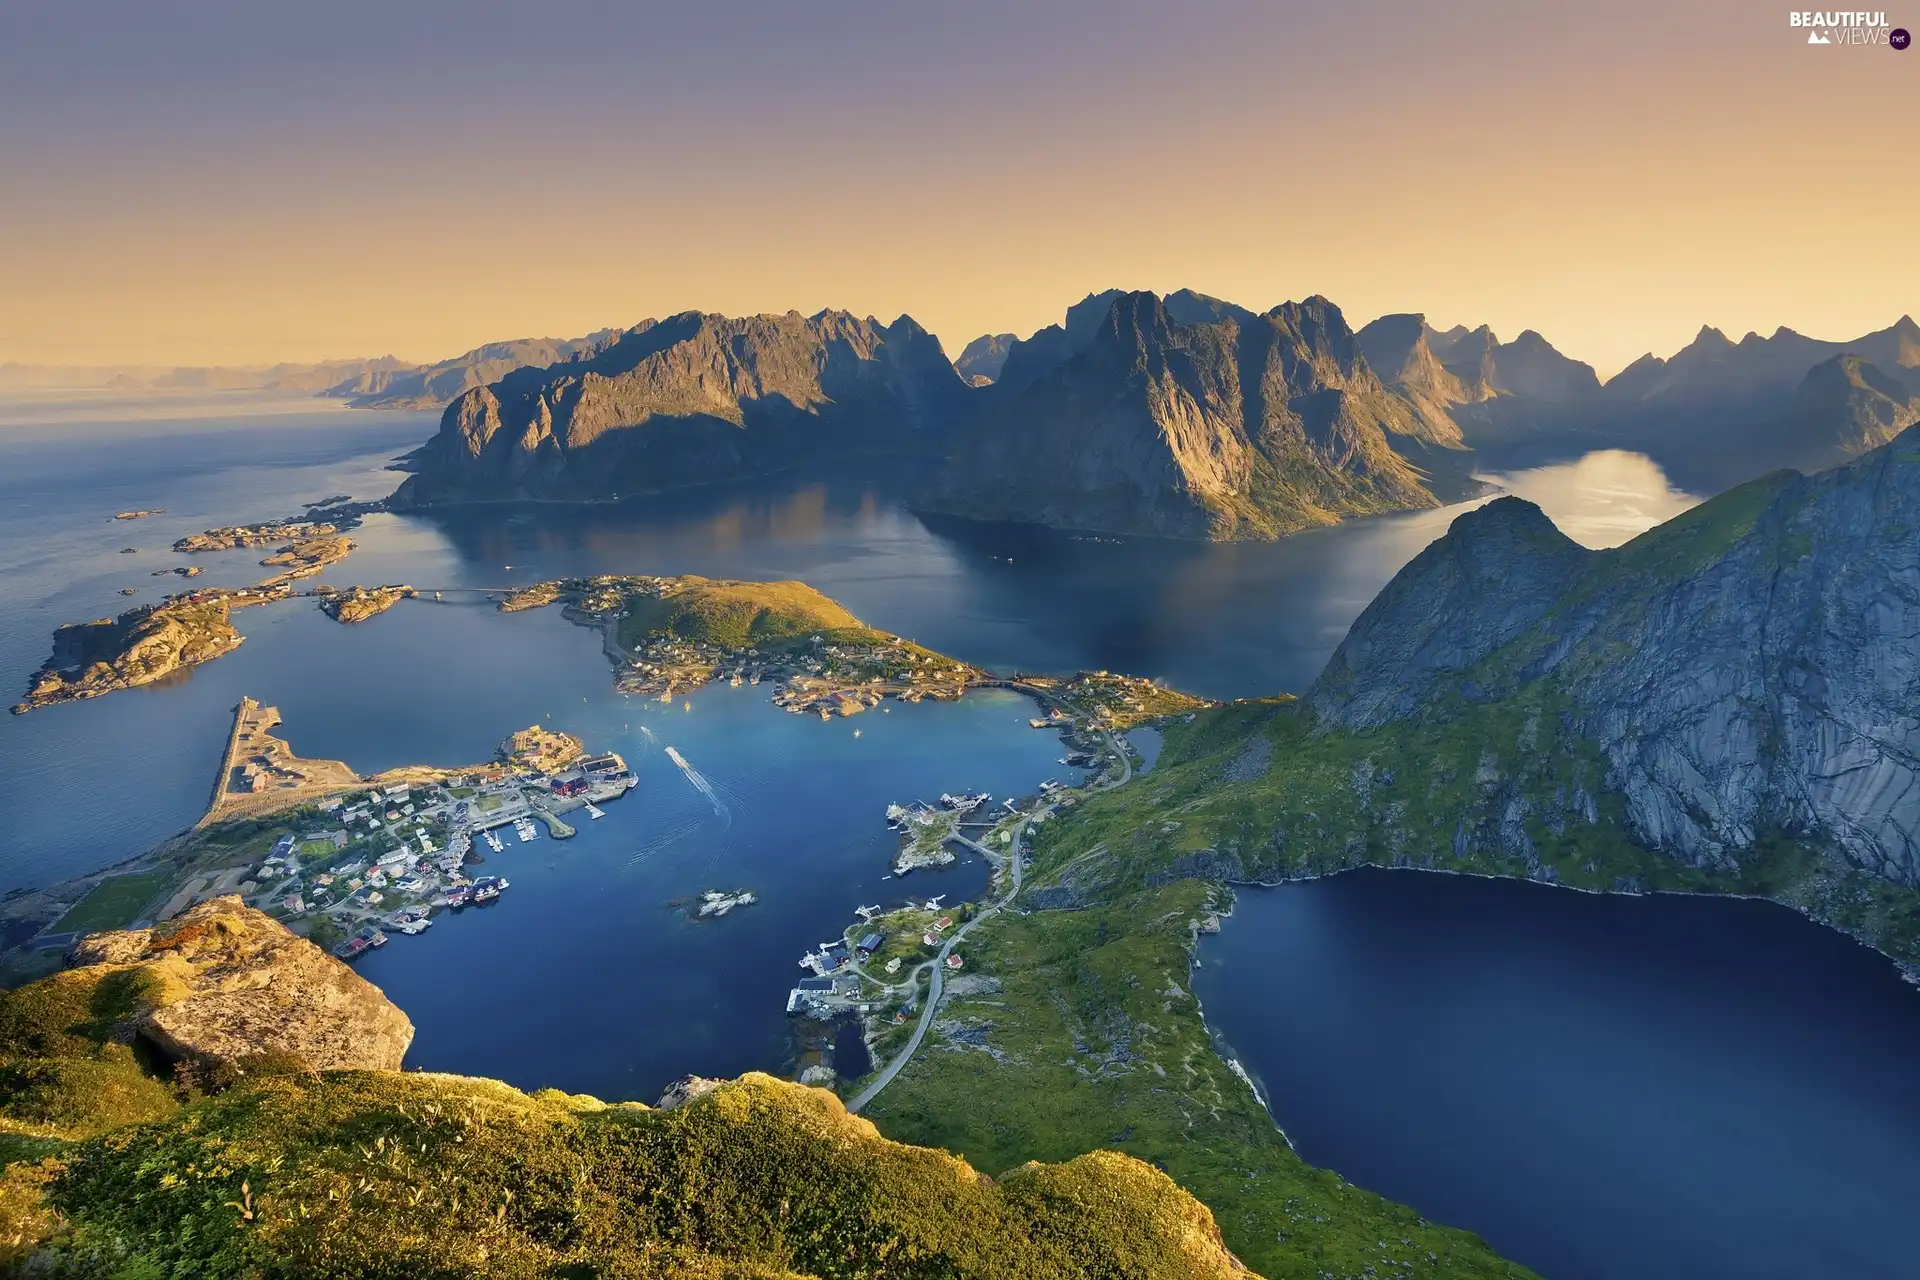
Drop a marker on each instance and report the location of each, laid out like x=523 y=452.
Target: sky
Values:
x=199 y=182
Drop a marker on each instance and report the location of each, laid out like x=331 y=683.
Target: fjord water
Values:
x=583 y=977
x=1606 y=1088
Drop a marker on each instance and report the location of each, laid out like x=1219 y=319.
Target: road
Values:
x=937 y=985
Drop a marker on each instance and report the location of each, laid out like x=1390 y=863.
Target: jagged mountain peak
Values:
x=1741 y=672
x=1495 y=572
x=693 y=399
x=983 y=358
x=1242 y=426
x=1188 y=306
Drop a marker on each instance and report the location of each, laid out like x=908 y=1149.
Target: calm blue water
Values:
x=1605 y=1088
x=90 y=783
x=583 y=978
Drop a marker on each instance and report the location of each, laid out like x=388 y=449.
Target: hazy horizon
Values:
x=219 y=185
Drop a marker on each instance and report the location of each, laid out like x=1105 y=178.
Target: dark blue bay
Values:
x=1606 y=1088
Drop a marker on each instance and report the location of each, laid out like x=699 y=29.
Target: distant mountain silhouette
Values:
x=433 y=385
x=1445 y=373
x=1713 y=370
x=981 y=362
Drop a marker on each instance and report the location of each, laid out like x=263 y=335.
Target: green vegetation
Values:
x=65 y=1071
x=733 y=615
x=411 y=1175
x=1093 y=1041
x=113 y=903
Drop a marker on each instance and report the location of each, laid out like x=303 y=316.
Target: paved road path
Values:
x=938 y=983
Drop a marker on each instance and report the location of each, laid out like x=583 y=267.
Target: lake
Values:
x=1606 y=1088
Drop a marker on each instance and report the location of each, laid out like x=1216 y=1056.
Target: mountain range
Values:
x=431 y=386
x=690 y=400
x=1186 y=417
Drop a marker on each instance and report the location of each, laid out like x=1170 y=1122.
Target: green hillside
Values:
x=734 y=615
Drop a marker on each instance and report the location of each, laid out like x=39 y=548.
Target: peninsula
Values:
x=340 y=857
x=669 y=636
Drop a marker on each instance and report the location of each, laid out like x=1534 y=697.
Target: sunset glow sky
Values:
x=230 y=182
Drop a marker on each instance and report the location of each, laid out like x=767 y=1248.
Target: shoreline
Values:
x=1909 y=972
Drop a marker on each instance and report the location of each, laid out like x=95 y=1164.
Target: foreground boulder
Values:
x=226 y=981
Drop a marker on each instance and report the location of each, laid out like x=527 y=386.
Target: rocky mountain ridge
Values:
x=1241 y=426
x=224 y=981
x=694 y=399
x=1746 y=669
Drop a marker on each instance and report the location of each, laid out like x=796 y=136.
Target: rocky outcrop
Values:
x=1751 y=667
x=139 y=647
x=693 y=400
x=357 y=604
x=228 y=982
x=1219 y=429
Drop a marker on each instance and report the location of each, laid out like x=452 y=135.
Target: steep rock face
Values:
x=1844 y=407
x=1037 y=356
x=230 y=982
x=1220 y=429
x=1398 y=349
x=1752 y=666
x=1497 y=571
x=984 y=357
x=692 y=400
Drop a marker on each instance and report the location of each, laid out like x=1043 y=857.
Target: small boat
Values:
x=595 y=811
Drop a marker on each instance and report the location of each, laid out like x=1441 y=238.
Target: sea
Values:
x=588 y=976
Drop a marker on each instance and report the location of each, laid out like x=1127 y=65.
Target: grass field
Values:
x=113 y=903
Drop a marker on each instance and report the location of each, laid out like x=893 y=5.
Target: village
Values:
x=891 y=964
x=371 y=858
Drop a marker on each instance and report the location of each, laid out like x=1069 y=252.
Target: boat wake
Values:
x=702 y=784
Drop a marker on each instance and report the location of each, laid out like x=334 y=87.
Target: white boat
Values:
x=494 y=840
x=595 y=811
x=524 y=828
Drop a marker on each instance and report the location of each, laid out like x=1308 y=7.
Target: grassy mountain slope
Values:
x=734 y=614
x=121 y=1163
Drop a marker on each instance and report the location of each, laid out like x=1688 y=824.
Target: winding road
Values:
x=937 y=985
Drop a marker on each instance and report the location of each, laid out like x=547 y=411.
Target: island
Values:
x=181 y=631
x=357 y=604
x=230 y=537
x=141 y=514
x=140 y=646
